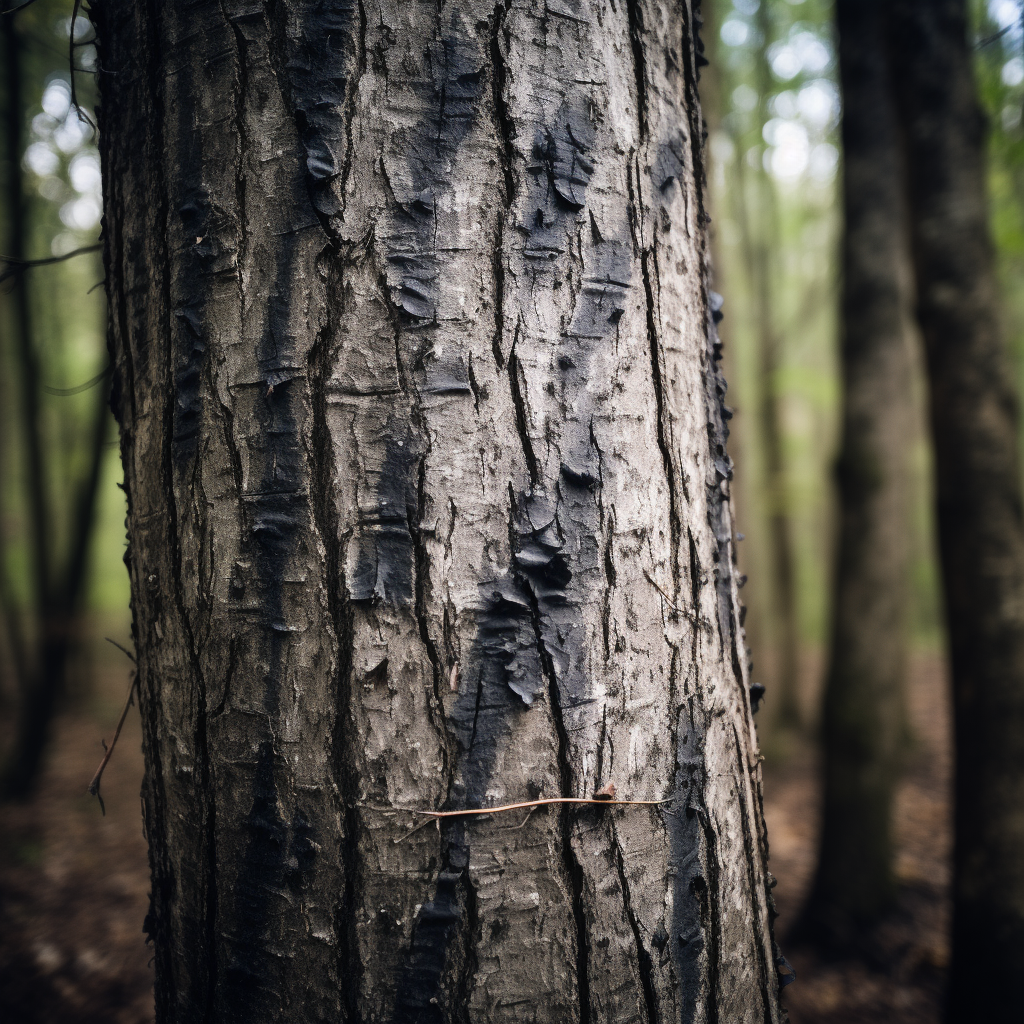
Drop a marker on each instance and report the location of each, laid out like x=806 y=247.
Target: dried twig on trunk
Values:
x=94 y=786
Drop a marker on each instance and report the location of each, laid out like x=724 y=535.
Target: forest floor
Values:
x=905 y=978
x=74 y=884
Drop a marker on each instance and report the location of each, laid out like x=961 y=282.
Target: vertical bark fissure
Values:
x=506 y=154
x=421 y=558
x=645 y=964
x=752 y=871
x=325 y=518
x=606 y=522
x=636 y=41
x=694 y=121
x=522 y=412
x=654 y=343
x=636 y=36
x=713 y=926
x=277 y=42
x=467 y=977
x=571 y=864
x=207 y=958
x=350 y=105
x=599 y=767
x=203 y=785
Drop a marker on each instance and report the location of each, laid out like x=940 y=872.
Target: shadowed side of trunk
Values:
x=861 y=719
x=429 y=508
x=974 y=421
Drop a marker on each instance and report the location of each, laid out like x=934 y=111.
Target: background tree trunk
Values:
x=980 y=524
x=57 y=571
x=760 y=226
x=862 y=719
x=428 y=507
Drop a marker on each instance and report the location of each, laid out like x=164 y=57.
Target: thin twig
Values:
x=653 y=583
x=522 y=824
x=122 y=649
x=17 y=266
x=71 y=63
x=422 y=824
x=20 y=7
x=536 y=803
x=982 y=43
x=94 y=786
x=78 y=388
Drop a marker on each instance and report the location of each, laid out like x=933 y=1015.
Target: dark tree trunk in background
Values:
x=40 y=660
x=428 y=507
x=764 y=221
x=861 y=719
x=980 y=524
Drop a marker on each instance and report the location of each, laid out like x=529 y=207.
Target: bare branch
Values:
x=78 y=388
x=71 y=63
x=17 y=266
x=94 y=785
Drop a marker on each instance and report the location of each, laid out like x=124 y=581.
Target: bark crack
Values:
x=696 y=128
x=422 y=574
x=519 y=401
x=711 y=910
x=659 y=400
x=645 y=964
x=752 y=871
x=505 y=128
x=326 y=523
x=570 y=861
x=636 y=41
x=607 y=522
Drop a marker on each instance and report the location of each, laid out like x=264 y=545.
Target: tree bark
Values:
x=974 y=422
x=428 y=507
x=861 y=716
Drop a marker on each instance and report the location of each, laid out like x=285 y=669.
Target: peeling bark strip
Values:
x=429 y=507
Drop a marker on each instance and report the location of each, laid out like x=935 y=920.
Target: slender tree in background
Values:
x=861 y=719
x=761 y=261
x=40 y=643
x=974 y=423
x=428 y=507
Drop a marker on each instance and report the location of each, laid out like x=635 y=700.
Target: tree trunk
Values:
x=761 y=229
x=861 y=719
x=428 y=507
x=56 y=583
x=980 y=523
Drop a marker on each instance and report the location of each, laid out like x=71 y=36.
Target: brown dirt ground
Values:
x=74 y=884
x=905 y=983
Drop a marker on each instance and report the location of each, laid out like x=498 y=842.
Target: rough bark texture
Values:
x=861 y=715
x=980 y=523
x=428 y=507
